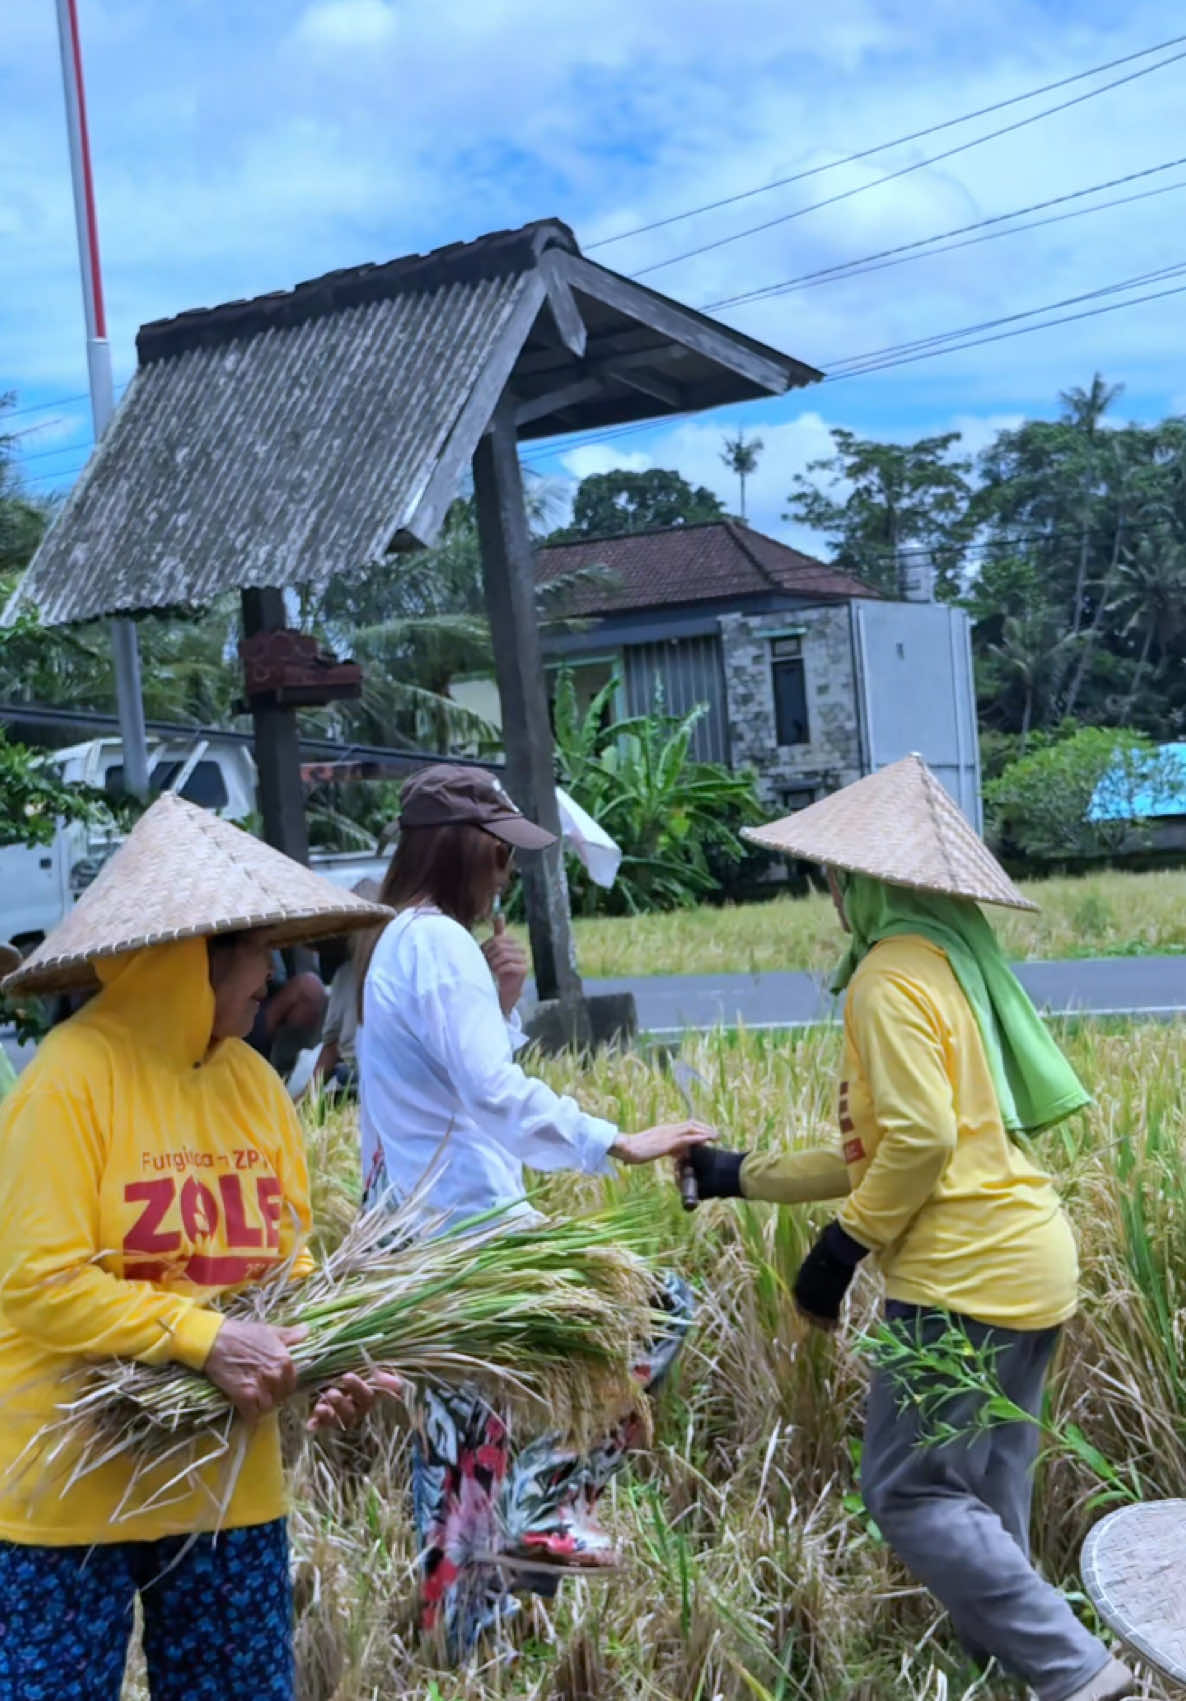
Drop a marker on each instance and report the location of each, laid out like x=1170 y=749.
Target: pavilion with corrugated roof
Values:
x=281 y=441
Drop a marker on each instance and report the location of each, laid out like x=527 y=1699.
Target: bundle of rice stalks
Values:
x=545 y=1317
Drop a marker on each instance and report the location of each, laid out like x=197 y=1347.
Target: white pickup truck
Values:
x=39 y=884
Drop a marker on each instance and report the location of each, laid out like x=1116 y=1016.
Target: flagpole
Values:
x=125 y=650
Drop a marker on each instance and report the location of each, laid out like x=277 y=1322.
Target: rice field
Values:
x=1097 y=915
x=752 y=1571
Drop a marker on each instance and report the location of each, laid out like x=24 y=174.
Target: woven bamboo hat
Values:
x=183 y=874
x=1133 y=1562
x=901 y=826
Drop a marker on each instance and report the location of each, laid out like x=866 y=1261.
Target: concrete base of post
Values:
x=583 y=1024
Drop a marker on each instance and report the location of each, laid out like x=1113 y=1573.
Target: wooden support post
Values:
x=277 y=743
x=509 y=573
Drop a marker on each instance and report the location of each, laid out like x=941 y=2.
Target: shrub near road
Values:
x=753 y=1571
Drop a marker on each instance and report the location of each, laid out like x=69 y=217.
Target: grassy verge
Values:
x=752 y=1570
x=1098 y=915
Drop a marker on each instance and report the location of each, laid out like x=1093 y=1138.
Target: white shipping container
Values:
x=917 y=693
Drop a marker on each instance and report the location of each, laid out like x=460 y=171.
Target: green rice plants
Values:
x=750 y=1569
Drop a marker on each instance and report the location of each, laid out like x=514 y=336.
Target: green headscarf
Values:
x=1035 y=1085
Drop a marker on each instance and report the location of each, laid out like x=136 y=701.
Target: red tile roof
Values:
x=689 y=564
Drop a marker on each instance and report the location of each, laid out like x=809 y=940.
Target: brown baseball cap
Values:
x=444 y=795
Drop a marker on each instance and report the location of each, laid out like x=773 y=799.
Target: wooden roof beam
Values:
x=646 y=383
x=684 y=327
x=566 y=315
x=555 y=401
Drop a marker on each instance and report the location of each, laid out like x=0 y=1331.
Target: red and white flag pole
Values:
x=98 y=354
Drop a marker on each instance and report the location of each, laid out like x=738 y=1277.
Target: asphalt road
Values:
x=1108 y=986
x=1149 y=987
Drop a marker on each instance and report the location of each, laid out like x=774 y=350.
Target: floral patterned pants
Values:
x=217 y=1618
x=485 y=1510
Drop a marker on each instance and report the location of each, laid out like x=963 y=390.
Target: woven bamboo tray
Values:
x=1134 y=1571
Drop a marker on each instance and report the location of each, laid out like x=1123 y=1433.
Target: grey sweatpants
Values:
x=958 y=1514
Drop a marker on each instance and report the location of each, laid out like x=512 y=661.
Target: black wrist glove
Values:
x=717 y=1171
x=825 y=1274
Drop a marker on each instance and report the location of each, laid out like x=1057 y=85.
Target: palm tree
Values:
x=740 y=455
x=1035 y=655
x=1151 y=600
x=1084 y=409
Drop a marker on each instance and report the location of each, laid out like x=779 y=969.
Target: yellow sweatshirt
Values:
x=139 y=1177
x=957 y=1213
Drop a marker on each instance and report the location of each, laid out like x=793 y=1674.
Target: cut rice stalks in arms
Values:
x=547 y=1317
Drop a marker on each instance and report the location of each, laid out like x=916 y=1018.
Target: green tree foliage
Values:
x=1081 y=526
x=610 y=504
x=676 y=819
x=1079 y=796
x=416 y=623
x=33 y=799
x=1066 y=542
x=886 y=505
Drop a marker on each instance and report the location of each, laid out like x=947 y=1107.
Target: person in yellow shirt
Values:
x=945 y=1060
x=150 y=1163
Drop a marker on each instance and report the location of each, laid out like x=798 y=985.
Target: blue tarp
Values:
x=1114 y=801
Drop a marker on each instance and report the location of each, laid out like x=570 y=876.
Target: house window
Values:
x=789 y=679
x=795 y=798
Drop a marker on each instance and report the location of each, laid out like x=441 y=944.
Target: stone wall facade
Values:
x=787 y=774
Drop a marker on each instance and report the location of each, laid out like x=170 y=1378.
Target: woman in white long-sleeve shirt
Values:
x=442 y=1095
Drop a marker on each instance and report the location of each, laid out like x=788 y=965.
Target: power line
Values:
x=894 y=349
x=905 y=170
x=908 y=250
x=59 y=402
x=883 y=147
x=44 y=454
x=910 y=353
x=1002 y=336
x=1004 y=541
x=62 y=472
x=41 y=407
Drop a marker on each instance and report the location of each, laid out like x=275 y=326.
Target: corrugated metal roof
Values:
x=689 y=564
x=284 y=458
x=291 y=438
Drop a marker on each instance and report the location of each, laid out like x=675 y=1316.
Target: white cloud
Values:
x=232 y=164
x=589 y=459
x=349 y=24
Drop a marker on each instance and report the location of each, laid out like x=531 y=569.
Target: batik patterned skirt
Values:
x=497 y=1517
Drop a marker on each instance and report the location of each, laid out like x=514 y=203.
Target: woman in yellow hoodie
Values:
x=945 y=1059
x=150 y=1161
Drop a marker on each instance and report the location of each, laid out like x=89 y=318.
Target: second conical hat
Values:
x=183 y=873
x=901 y=826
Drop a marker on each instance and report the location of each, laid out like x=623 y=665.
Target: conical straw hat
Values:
x=898 y=825
x=9 y=957
x=183 y=873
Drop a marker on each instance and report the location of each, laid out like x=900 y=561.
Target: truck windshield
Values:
x=206 y=786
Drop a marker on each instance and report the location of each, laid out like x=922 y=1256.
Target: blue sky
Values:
x=242 y=145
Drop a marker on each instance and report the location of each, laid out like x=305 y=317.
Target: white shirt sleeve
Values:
x=464 y=1027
